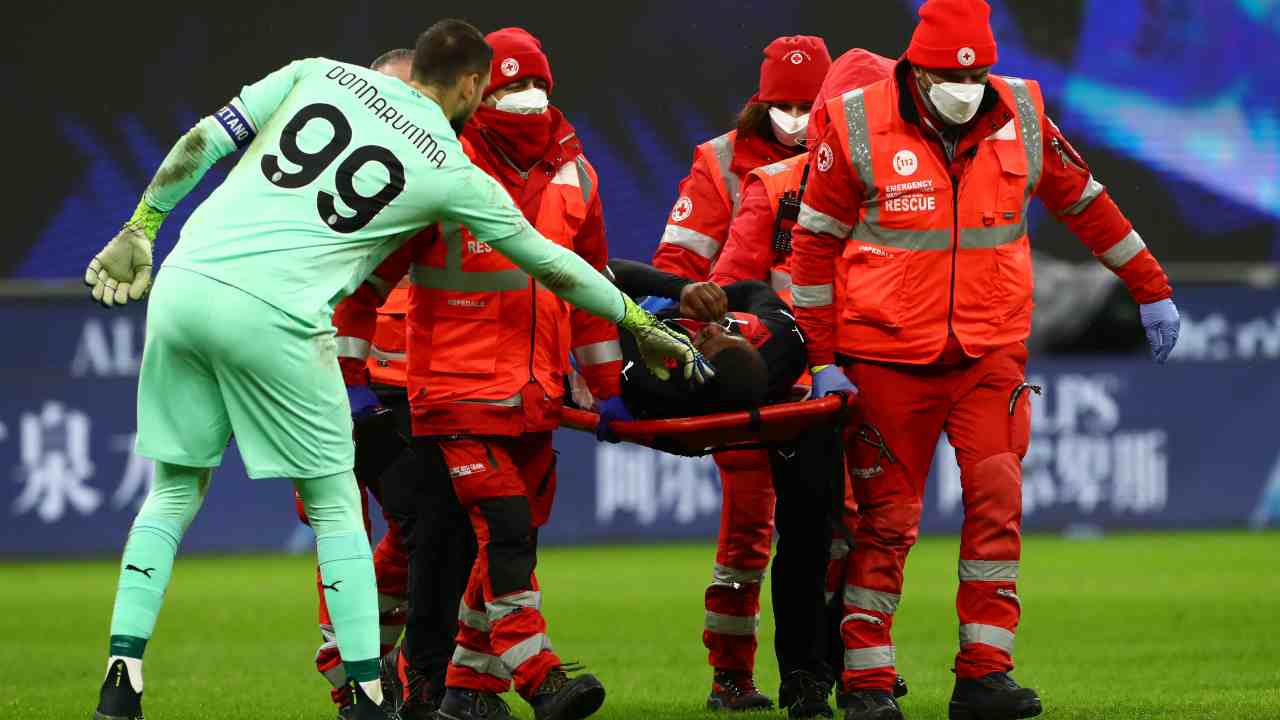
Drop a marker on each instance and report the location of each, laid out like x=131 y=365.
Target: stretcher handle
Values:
x=586 y=421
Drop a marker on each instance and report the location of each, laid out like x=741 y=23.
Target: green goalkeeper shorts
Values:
x=218 y=362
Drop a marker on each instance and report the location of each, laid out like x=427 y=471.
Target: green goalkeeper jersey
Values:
x=342 y=164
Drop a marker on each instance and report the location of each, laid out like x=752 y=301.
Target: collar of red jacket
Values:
x=525 y=140
x=994 y=112
x=751 y=151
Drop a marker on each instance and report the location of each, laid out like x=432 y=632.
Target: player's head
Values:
x=452 y=59
x=742 y=378
x=520 y=72
x=397 y=63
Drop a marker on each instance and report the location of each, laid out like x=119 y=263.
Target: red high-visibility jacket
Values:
x=488 y=347
x=898 y=250
x=708 y=199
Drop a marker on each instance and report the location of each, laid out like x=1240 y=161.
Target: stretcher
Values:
x=769 y=426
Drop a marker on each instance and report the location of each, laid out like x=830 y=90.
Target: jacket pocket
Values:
x=873 y=284
x=464 y=336
x=1010 y=198
x=1012 y=281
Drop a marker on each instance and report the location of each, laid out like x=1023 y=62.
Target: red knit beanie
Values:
x=953 y=35
x=516 y=55
x=793 y=69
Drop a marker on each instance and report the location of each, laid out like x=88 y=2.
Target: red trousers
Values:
x=506 y=485
x=742 y=554
x=983 y=408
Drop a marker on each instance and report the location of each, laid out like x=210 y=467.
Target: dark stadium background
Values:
x=1175 y=104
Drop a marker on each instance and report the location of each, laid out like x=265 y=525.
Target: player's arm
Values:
x=477 y=201
x=122 y=270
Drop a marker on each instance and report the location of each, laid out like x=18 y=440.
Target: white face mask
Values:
x=526 y=102
x=787 y=128
x=957 y=102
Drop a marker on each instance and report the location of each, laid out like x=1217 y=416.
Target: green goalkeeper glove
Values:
x=658 y=343
x=121 y=271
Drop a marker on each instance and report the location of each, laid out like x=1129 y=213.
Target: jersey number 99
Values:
x=312 y=164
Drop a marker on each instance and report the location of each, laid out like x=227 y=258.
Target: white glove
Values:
x=121 y=271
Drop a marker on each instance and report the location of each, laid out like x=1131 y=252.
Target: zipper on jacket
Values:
x=955 y=249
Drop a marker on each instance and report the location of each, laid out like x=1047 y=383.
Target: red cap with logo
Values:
x=516 y=55
x=953 y=35
x=793 y=69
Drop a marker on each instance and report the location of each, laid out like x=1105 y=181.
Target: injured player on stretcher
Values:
x=745 y=330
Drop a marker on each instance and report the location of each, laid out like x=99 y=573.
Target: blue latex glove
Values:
x=611 y=409
x=363 y=401
x=656 y=305
x=831 y=379
x=1161 y=321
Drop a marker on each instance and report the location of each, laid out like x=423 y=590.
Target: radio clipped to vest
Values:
x=788 y=211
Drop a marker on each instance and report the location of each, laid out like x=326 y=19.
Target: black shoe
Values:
x=736 y=690
x=117 y=699
x=362 y=708
x=899 y=690
x=993 y=697
x=804 y=695
x=422 y=695
x=561 y=697
x=459 y=704
x=871 y=705
x=389 y=675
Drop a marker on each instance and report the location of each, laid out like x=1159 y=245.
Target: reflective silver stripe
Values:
x=452 y=277
x=873 y=233
x=1032 y=138
x=584 y=179
x=987 y=635
x=474 y=619
x=352 y=347
x=337 y=675
x=507 y=604
x=780 y=280
x=868 y=658
x=868 y=599
x=597 y=353
x=383 y=355
x=524 y=650
x=513 y=401
x=773 y=168
x=988 y=570
x=722 y=575
x=704 y=245
x=839 y=549
x=855 y=113
x=722 y=148
x=732 y=624
x=819 y=222
x=995 y=236
x=480 y=662
x=380 y=286
x=1091 y=191
x=862 y=617
x=1122 y=252
x=809 y=296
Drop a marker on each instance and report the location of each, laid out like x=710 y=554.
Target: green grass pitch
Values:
x=1126 y=627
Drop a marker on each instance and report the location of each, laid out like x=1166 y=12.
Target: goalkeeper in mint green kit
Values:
x=342 y=165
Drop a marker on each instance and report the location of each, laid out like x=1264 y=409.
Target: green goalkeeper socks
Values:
x=346 y=570
x=175 y=496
